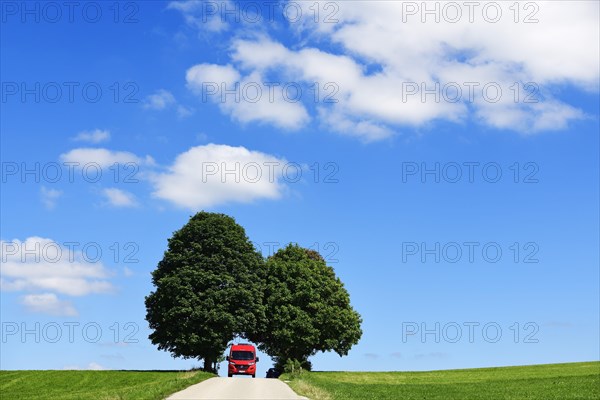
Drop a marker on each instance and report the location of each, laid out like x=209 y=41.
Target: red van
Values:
x=242 y=360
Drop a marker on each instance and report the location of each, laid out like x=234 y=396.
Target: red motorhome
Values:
x=242 y=360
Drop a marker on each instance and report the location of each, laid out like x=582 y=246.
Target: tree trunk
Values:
x=208 y=365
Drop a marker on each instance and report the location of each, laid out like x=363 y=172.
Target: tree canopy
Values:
x=212 y=285
x=208 y=289
x=308 y=307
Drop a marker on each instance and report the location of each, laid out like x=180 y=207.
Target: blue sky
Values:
x=409 y=198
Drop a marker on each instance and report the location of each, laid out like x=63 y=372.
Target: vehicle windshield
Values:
x=242 y=355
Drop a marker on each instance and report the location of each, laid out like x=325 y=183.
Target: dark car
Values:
x=273 y=373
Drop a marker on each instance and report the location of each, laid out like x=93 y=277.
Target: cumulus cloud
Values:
x=95 y=136
x=48 y=303
x=102 y=157
x=50 y=196
x=41 y=264
x=205 y=176
x=119 y=198
x=248 y=98
x=159 y=100
x=394 y=66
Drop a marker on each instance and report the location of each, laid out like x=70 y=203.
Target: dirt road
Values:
x=237 y=389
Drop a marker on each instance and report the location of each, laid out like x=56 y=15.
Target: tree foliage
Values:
x=212 y=285
x=307 y=306
x=208 y=289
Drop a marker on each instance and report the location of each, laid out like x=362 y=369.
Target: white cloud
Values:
x=40 y=264
x=50 y=196
x=159 y=100
x=183 y=111
x=253 y=100
x=93 y=366
x=103 y=157
x=163 y=99
x=203 y=15
x=198 y=178
x=119 y=198
x=101 y=162
x=48 y=303
x=344 y=123
x=381 y=49
x=560 y=46
x=95 y=136
x=200 y=74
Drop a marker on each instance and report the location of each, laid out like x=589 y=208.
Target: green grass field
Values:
x=544 y=382
x=554 y=381
x=95 y=385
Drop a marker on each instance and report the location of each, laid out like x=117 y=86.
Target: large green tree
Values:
x=307 y=306
x=208 y=289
